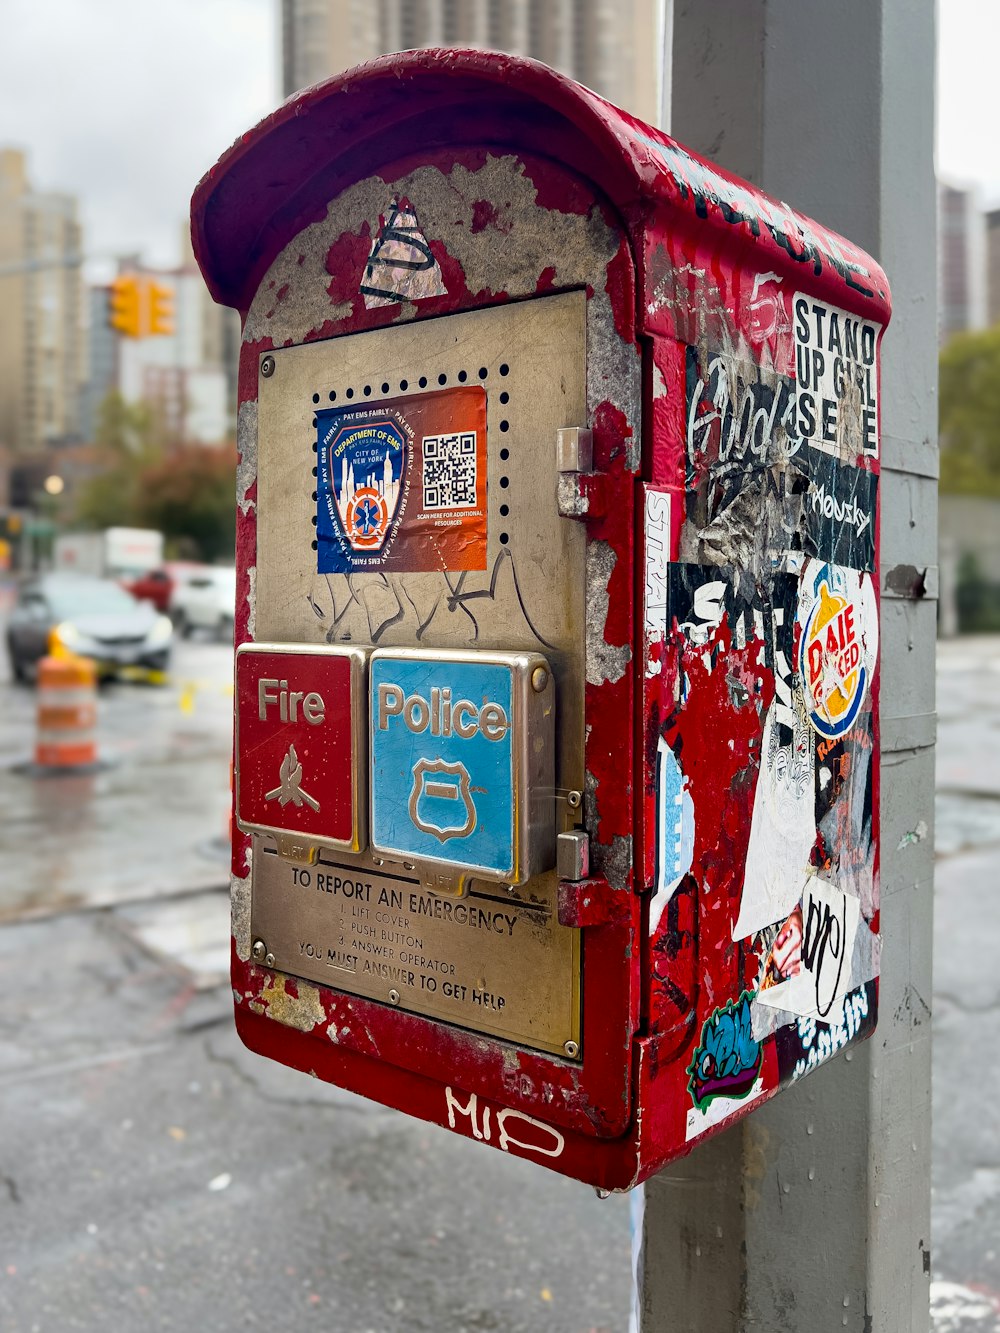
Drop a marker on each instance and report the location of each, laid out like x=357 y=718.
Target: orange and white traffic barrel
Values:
x=67 y=713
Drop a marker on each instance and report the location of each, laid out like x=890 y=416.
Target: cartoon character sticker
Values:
x=838 y=644
x=727 y=1060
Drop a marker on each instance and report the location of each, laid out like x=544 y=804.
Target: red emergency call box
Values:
x=557 y=690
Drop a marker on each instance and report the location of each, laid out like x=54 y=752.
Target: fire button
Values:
x=300 y=746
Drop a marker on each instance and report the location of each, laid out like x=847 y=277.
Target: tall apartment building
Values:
x=102 y=359
x=188 y=376
x=993 y=266
x=612 y=46
x=41 y=334
x=962 y=280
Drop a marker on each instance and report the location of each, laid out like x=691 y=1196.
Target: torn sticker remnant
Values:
x=401 y=266
x=827 y=924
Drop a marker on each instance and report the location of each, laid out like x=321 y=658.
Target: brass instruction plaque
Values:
x=488 y=962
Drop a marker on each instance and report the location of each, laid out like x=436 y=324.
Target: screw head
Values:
x=571 y=1049
x=269 y=960
x=394 y=997
x=574 y=799
x=539 y=679
x=267 y=367
x=259 y=951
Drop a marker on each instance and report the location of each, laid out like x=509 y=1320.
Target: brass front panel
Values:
x=485 y=962
x=531 y=359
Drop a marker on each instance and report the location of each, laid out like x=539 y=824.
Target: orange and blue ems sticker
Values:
x=401 y=484
x=838 y=644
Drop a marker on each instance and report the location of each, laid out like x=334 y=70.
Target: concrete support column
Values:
x=516 y=24
x=475 y=22
x=815 y=1213
x=562 y=33
x=432 y=26
x=392 y=36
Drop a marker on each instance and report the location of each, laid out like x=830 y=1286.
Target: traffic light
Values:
x=161 y=308
x=138 y=306
x=125 y=305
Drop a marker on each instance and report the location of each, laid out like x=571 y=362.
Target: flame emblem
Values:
x=289 y=789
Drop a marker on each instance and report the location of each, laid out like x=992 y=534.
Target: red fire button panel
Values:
x=300 y=745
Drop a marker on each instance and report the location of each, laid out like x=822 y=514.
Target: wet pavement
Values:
x=151 y=822
x=154 y=1175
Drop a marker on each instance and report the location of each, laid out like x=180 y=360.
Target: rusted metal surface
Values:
x=709 y=520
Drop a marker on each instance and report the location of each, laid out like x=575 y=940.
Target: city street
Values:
x=153 y=1175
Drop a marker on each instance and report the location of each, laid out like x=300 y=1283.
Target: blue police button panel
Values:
x=460 y=745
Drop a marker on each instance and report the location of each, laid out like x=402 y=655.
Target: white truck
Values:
x=116 y=553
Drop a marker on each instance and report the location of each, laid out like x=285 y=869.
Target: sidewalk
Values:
x=154 y=1175
x=151 y=824
x=966 y=1142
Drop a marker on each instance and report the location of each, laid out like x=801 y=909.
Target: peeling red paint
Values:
x=554 y=195
x=345 y=262
x=486 y=214
x=621 y=289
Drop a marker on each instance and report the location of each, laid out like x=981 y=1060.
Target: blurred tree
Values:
x=188 y=496
x=969 y=418
x=978 y=600
x=129 y=438
x=148 y=481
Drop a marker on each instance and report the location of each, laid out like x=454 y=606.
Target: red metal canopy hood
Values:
x=280 y=175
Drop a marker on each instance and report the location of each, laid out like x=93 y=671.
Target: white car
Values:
x=205 y=599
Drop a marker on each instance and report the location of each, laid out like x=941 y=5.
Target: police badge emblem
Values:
x=441 y=800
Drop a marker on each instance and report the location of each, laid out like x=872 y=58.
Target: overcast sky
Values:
x=968 y=110
x=126 y=103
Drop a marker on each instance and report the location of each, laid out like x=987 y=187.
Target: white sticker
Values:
x=836 y=378
x=817 y=947
x=657 y=548
x=783 y=822
x=721 y=1107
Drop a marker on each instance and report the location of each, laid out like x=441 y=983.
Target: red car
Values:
x=154 y=585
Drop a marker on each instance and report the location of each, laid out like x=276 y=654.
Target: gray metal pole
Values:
x=814 y=1214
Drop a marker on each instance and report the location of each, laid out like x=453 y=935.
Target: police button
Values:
x=462 y=766
x=300 y=769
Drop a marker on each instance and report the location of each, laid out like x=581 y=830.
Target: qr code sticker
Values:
x=450 y=471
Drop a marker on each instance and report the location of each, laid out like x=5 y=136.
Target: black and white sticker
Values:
x=839 y=502
x=836 y=378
